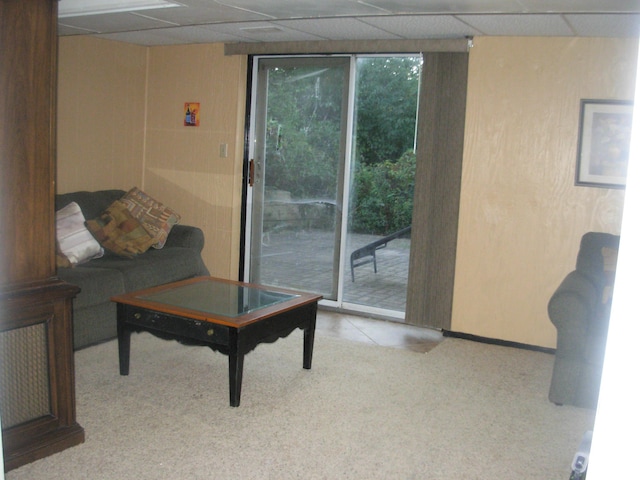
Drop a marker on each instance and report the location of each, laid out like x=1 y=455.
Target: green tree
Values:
x=305 y=105
x=386 y=103
x=303 y=131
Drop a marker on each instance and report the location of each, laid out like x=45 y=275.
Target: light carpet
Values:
x=463 y=410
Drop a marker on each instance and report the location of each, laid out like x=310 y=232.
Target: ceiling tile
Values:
x=113 y=22
x=300 y=20
x=171 y=36
x=68 y=30
x=338 y=29
x=519 y=25
x=304 y=8
x=142 y=37
x=212 y=13
x=622 y=25
x=446 y=6
x=422 y=26
x=261 y=32
x=579 y=6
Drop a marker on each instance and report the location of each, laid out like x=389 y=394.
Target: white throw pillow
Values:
x=74 y=239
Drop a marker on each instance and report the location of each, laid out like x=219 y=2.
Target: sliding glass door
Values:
x=332 y=172
x=297 y=172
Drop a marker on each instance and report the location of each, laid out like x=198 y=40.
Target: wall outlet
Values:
x=223 y=150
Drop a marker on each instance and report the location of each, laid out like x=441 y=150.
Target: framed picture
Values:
x=603 y=143
x=191 y=114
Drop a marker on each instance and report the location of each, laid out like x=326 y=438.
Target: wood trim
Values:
x=348 y=46
x=496 y=341
x=35 y=306
x=27 y=99
x=50 y=304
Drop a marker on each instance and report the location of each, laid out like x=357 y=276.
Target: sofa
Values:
x=580 y=309
x=94 y=315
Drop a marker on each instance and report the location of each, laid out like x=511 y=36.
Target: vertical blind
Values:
x=436 y=202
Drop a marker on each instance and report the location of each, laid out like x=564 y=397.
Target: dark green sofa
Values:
x=94 y=315
x=579 y=309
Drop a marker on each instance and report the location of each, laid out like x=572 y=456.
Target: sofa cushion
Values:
x=92 y=204
x=75 y=242
x=155 y=267
x=97 y=285
x=119 y=232
x=156 y=218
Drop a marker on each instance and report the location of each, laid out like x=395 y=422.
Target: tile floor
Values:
x=376 y=332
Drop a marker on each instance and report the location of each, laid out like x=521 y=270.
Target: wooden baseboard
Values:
x=495 y=341
x=43 y=446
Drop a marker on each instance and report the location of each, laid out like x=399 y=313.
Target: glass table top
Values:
x=218 y=298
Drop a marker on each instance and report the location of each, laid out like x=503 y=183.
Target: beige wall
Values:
x=101 y=114
x=521 y=216
x=183 y=164
x=120 y=124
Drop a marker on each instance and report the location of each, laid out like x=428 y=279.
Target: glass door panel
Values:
x=333 y=167
x=301 y=114
x=382 y=179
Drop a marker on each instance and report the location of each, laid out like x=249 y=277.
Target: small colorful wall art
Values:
x=191 y=114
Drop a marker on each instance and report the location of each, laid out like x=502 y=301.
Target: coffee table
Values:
x=226 y=316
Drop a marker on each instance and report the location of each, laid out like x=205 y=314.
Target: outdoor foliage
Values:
x=386 y=102
x=383 y=200
x=303 y=150
x=303 y=131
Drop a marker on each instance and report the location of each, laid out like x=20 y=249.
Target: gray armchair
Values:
x=579 y=309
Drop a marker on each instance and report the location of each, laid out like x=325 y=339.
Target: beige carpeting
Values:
x=463 y=410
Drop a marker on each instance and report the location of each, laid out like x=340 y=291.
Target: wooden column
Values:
x=37 y=387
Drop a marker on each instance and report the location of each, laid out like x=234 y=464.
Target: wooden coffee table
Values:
x=226 y=316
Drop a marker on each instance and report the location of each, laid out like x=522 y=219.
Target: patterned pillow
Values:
x=119 y=232
x=155 y=217
x=75 y=244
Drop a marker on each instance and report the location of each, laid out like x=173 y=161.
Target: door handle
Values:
x=251 y=172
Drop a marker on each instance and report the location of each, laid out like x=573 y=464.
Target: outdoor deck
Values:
x=303 y=260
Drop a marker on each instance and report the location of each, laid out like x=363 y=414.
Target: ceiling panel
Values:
x=262 y=32
x=422 y=26
x=446 y=6
x=304 y=8
x=519 y=25
x=171 y=36
x=64 y=30
x=301 y=20
x=113 y=22
x=580 y=6
x=198 y=13
x=605 y=25
x=338 y=29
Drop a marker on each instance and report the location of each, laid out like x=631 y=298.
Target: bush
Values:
x=383 y=196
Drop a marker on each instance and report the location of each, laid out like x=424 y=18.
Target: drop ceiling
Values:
x=231 y=21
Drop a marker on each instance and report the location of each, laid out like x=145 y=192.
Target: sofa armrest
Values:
x=185 y=236
x=573 y=303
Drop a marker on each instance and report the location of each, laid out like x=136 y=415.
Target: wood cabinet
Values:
x=37 y=387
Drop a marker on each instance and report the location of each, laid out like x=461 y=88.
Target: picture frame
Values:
x=603 y=143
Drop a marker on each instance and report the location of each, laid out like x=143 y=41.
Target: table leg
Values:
x=236 y=362
x=309 y=334
x=124 y=341
x=124 y=349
